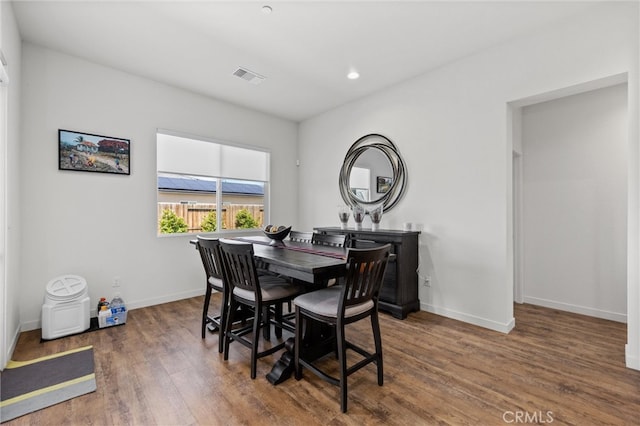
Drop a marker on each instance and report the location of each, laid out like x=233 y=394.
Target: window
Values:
x=359 y=181
x=209 y=186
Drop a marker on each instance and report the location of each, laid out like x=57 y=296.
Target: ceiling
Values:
x=304 y=48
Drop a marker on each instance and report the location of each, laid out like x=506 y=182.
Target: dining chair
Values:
x=354 y=300
x=333 y=240
x=209 y=249
x=259 y=292
x=300 y=236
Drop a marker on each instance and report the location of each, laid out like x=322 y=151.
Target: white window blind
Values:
x=189 y=156
x=242 y=163
x=182 y=155
x=360 y=178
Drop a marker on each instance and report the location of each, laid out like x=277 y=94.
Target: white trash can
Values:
x=66 y=307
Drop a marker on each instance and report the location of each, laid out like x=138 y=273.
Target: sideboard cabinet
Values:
x=399 y=293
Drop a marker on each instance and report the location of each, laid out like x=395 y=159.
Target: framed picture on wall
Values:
x=384 y=184
x=86 y=152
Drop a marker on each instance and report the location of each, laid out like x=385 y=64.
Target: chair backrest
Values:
x=365 y=273
x=333 y=240
x=239 y=268
x=300 y=236
x=209 y=249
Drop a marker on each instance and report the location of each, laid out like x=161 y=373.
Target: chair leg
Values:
x=232 y=308
x=298 y=342
x=205 y=310
x=342 y=360
x=222 y=330
x=254 y=344
x=278 y=330
x=266 y=332
x=375 y=326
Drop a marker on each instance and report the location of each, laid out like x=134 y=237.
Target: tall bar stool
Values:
x=300 y=236
x=209 y=249
x=333 y=240
x=354 y=300
x=258 y=292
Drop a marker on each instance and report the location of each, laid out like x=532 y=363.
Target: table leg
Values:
x=318 y=341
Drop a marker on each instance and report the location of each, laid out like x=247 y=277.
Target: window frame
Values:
x=219 y=196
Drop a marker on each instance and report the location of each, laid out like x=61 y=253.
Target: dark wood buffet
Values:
x=399 y=293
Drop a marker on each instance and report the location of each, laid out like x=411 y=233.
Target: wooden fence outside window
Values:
x=194 y=214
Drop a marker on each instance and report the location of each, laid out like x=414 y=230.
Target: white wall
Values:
x=575 y=203
x=10 y=309
x=451 y=127
x=100 y=225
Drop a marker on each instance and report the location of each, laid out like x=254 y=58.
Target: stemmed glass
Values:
x=343 y=214
x=358 y=216
x=376 y=216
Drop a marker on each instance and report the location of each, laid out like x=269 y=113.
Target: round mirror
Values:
x=373 y=173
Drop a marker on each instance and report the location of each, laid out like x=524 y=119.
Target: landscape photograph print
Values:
x=86 y=152
x=384 y=184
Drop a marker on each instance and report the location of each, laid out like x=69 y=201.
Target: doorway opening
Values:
x=570 y=199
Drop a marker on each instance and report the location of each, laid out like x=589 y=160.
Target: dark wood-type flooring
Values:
x=554 y=367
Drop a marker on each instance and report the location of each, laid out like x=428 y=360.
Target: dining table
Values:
x=308 y=264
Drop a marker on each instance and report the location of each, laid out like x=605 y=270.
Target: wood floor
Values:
x=554 y=367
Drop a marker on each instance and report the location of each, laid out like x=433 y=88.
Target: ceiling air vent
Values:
x=249 y=76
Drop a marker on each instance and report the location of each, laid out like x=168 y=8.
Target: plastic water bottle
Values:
x=116 y=302
x=118 y=311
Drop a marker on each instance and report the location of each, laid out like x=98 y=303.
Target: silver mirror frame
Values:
x=395 y=192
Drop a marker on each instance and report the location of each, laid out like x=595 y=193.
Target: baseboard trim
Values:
x=131 y=305
x=165 y=299
x=12 y=347
x=471 y=319
x=576 y=309
x=631 y=360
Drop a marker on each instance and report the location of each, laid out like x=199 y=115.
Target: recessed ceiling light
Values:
x=267 y=9
x=353 y=75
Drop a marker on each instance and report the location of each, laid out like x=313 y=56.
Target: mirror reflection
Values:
x=370 y=175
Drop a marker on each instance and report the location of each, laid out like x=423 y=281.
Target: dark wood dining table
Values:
x=308 y=264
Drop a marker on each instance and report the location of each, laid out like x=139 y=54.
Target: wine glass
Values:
x=376 y=216
x=358 y=216
x=343 y=214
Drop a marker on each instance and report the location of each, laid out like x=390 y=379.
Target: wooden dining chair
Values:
x=354 y=300
x=209 y=249
x=300 y=236
x=258 y=292
x=333 y=240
